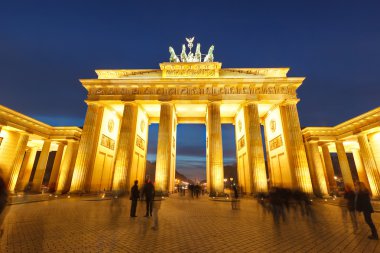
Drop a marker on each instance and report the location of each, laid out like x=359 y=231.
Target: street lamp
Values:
x=225 y=180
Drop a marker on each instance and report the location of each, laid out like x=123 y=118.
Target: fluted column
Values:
x=360 y=167
x=370 y=166
x=163 y=160
x=255 y=148
x=87 y=146
x=41 y=167
x=215 y=160
x=125 y=146
x=295 y=146
x=26 y=168
x=329 y=167
x=321 y=188
x=16 y=164
x=63 y=181
x=344 y=165
x=56 y=166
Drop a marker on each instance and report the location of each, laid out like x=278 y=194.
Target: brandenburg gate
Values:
x=191 y=88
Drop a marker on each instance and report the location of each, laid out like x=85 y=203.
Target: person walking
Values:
x=148 y=192
x=349 y=196
x=135 y=195
x=3 y=202
x=363 y=204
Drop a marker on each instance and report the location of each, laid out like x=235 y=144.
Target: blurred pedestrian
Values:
x=349 y=196
x=135 y=195
x=363 y=204
x=235 y=199
x=3 y=202
x=156 y=208
x=148 y=192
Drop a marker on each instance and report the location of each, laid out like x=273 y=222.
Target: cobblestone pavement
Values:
x=185 y=225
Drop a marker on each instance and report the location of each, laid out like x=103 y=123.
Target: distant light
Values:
x=68 y=196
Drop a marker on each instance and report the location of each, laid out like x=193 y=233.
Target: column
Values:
x=124 y=154
x=360 y=167
x=370 y=166
x=26 y=168
x=56 y=165
x=343 y=163
x=321 y=189
x=215 y=151
x=87 y=146
x=295 y=146
x=16 y=164
x=41 y=167
x=255 y=150
x=310 y=160
x=163 y=160
x=329 y=167
x=67 y=164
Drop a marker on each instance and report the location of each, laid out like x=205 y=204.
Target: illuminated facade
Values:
x=122 y=104
x=191 y=88
x=359 y=136
x=27 y=144
x=110 y=152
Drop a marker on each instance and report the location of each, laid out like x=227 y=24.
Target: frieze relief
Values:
x=190 y=90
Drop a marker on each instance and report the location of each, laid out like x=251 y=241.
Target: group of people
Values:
x=358 y=200
x=148 y=193
x=278 y=201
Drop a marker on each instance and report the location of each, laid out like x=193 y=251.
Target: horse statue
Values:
x=210 y=55
x=173 y=57
x=198 y=55
x=183 y=54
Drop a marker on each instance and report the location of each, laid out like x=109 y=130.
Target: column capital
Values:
x=90 y=102
x=213 y=102
x=293 y=101
x=251 y=102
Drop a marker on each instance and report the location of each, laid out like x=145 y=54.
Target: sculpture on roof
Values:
x=210 y=55
x=173 y=56
x=190 y=56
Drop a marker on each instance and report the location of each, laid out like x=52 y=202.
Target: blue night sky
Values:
x=46 y=46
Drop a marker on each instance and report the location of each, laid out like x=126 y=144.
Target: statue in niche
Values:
x=210 y=55
x=173 y=56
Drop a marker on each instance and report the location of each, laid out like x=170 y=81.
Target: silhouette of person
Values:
x=148 y=192
x=350 y=195
x=363 y=204
x=156 y=208
x=135 y=195
x=3 y=202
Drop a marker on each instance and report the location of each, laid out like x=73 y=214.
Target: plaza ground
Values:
x=93 y=224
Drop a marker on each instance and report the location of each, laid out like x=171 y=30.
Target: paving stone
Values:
x=185 y=225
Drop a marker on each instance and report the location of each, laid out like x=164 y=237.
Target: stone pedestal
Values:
x=295 y=146
x=125 y=147
x=255 y=149
x=17 y=162
x=370 y=166
x=344 y=165
x=87 y=146
x=41 y=167
x=215 y=149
